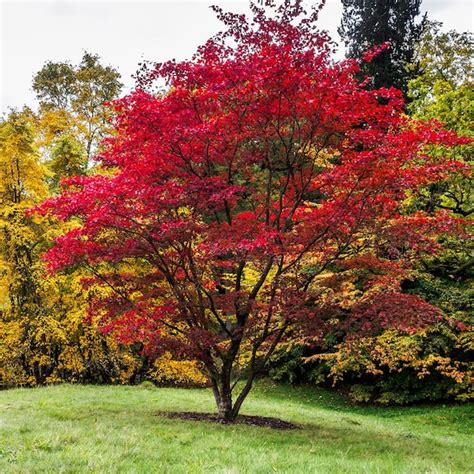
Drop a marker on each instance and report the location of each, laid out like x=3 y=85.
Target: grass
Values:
x=70 y=428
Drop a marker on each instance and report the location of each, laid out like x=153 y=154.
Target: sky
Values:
x=125 y=32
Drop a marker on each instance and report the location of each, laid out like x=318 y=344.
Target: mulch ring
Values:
x=264 y=421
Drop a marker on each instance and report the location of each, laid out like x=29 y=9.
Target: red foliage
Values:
x=263 y=155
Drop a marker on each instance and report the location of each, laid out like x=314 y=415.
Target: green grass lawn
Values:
x=115 y=429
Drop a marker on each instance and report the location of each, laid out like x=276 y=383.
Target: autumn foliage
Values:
x=226 y=202
x=43 y=336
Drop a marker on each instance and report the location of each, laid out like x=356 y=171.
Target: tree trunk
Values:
x=243 y=395
x=225 y=411
x=224 y=400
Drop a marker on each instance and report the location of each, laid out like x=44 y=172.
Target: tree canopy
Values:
x=229 y=199
x=80 y=91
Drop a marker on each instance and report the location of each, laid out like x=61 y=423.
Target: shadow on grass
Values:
x=265 y=421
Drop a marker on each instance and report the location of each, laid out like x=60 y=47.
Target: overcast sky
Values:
x=124 y=32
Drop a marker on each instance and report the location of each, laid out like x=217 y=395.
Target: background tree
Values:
x=444 y=91
x=369 y=23
x=234 y=194
x=22 y=301
x=21 y=185
x=43 y=337
x=81 y=91
x=441 y=56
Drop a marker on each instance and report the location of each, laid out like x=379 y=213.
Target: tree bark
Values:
x=225 y=411
x=224 y=405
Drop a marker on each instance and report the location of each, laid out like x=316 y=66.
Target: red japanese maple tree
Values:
x=230 y=196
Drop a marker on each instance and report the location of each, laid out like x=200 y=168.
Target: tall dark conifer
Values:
x=368 y=23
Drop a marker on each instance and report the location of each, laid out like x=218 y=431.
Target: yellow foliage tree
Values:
x=43 y=337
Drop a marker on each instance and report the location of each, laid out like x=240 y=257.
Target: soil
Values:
x=264 y=421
